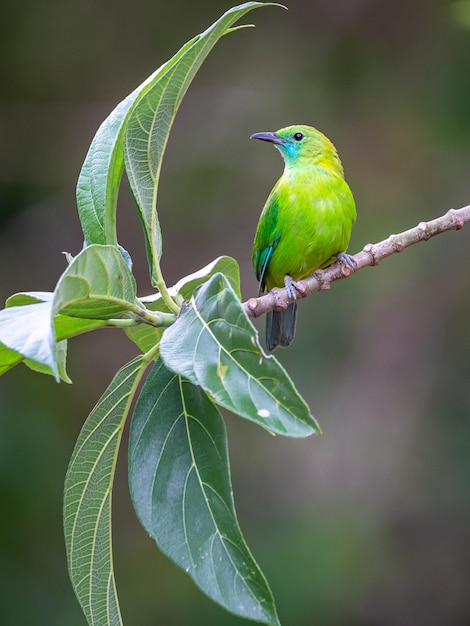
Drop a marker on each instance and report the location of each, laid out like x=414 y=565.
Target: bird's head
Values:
x=302 y=145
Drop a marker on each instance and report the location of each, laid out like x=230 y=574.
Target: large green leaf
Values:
x=145 y=335
x=101 y=173
x=100 y=176
x=98 y=284
x=180 y=484
x=87 y=499
x=214 y=345
x=152 y=116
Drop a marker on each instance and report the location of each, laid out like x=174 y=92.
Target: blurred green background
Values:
x=367 y=525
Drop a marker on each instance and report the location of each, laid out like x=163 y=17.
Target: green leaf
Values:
x=100 y=177
x=101 y=173
x=146 y=336
x=61 y=356
x=32 y=331
x=29 y=297
x=8 y=359
x=180 y=484
x=28 y=336
x=97 y=285
x=222 y=264
x=214 y=345
x=87 y=499
x=67 y=327
x=186 y=286
x=29 y=330
x=152 y=116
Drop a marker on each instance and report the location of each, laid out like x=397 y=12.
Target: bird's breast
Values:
x=315 y=218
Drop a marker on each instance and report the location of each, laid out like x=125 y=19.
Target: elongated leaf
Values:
x=180 y=484
x=100 y=176
x=101 y=173
x=87 y=499
x=214 y=345
x=151 y=118
x=97 y=285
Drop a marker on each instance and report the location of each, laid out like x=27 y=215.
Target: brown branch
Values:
x=369 y=256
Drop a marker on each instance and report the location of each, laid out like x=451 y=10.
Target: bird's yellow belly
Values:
x=305 y=247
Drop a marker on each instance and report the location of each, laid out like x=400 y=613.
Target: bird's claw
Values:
x=347 y=260
x=293 y=287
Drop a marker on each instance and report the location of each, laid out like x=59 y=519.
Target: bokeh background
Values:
x=367 y=525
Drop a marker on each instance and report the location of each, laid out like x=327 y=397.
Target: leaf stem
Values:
x=124 y=323
x=156 y=318
x=151 y=354
x=160 y=283
x=156 y=254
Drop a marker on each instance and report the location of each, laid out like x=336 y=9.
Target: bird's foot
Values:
x=293 y=287
x=347 y=261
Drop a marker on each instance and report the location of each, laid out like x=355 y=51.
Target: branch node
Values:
x=423 y=227
x=301 y=288
x=369 y=249
x=397 y=244
x=456 y=219
x=253 y=305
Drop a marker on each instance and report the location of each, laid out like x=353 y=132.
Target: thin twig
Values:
x=369 y=256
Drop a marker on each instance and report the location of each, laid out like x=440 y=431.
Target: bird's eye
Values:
x=298 y=136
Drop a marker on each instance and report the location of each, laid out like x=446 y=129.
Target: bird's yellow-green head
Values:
x=302 y=145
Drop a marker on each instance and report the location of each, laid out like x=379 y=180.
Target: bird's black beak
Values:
x=271 y=137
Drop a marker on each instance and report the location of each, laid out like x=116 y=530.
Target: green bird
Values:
x=305 y=224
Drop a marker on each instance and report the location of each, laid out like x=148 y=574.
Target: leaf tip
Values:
x=239 y=27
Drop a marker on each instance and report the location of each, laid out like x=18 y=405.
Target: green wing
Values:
x=266 y=240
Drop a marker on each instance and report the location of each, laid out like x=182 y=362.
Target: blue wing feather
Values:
x=262 y=263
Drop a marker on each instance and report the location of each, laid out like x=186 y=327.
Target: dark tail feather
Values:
x=280 y=327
